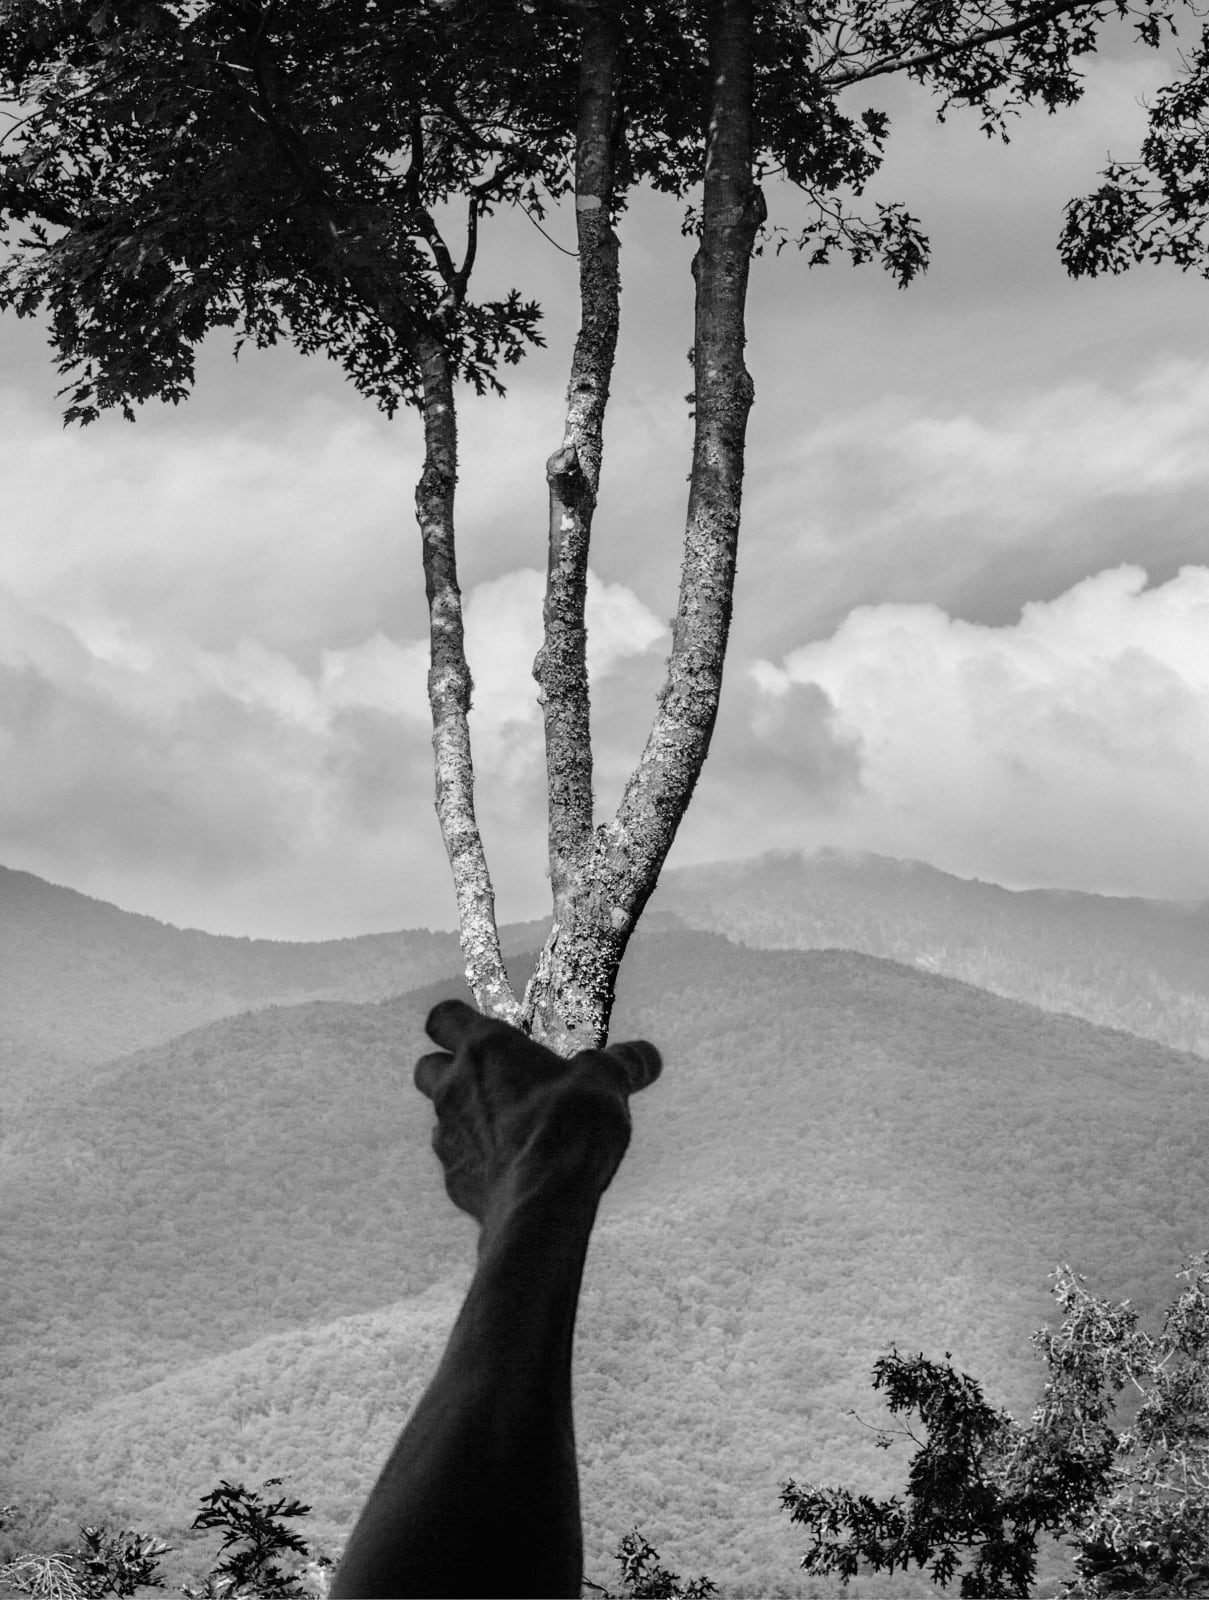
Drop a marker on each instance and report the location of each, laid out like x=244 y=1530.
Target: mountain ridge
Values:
x=84 y=981
x=1137 y=964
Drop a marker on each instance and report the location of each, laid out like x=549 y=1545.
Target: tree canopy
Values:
x=184 y=165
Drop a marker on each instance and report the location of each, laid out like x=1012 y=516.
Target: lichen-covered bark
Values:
x=573 y=472
x=449 y=691
x=571 y=996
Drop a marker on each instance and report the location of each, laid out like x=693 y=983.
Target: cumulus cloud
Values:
x=212 y=537
x=1071 y=747
x=1030 y=460
x=978 y=507
x=230 y=785
x=503 y=635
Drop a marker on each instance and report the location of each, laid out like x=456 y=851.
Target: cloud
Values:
x=1031 y=460
x=227 y=786
x=214 y=538
x=503 y=635
x=1071 y=747
x=979 y=507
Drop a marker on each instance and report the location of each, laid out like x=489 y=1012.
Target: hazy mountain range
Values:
x=229 y=1252
x=1127 y=963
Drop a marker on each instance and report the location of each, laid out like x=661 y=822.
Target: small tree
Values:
x=645 y=1579
x=981 y=1488
x=104 y=1563
x=255 y=1539
x=290 y=172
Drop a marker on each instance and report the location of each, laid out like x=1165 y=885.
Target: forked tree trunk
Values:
x=602 y=878
x=570 y=998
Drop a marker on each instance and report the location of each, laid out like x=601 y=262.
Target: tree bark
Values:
x=573 y=472
x=450 y=688
x=570 y=998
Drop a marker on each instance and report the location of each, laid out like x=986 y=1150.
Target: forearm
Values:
x=480 y=1495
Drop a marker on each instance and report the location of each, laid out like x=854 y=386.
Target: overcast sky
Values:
x=972 y=620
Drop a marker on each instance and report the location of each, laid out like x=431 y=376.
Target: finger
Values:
x=450 y=1022
x=640 y=1062
x=431 y=1071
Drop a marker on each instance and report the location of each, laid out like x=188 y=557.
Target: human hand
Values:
x=514 y=1118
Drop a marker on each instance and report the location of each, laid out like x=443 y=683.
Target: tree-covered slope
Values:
x=1136 y=964
x=841 y=1152
x=82 y=981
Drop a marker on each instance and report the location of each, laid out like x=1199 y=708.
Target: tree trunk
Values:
x=573 y=472
x=573 y=475
x=449 y=690
x=570 y=997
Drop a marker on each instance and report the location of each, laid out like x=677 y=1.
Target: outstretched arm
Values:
x=480 y=1495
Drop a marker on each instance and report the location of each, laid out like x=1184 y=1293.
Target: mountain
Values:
x=231 y=1254
x=82 y=981
x=1136 y=964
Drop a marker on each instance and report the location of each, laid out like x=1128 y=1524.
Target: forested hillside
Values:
x=233 y=1254
x=82 y=981
x=1136 y=964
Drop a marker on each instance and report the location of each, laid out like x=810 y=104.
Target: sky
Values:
x=972 y=611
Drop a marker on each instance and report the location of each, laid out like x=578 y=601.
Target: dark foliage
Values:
x=321 y=173
x=255 y=1537
x=1154 y=208
x=644 y=1579
x=118 y=1563
x=982 y=1488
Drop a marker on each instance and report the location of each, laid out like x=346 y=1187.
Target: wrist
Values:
x=547 y=1218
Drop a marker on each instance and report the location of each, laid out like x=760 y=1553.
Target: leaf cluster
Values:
x=1157 y=207
x=118 y=1563
x=180 y=165
x=992 y=56
x=257 y=1537
x=982 y=1488
x=645 y=1579
x=122 y=1563
x=105 y=1563
x=300 y=172
x=955 y=1501
x=1151 y=1534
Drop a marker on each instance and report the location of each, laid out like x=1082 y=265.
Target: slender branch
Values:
x=574 y=254
x=449 y=691
x=928 y=58
x=573 y=471
x=472 y=247
x=636 y=842
x=442 y=259
x=472 y=135
x=411 y=181
x=449 y=681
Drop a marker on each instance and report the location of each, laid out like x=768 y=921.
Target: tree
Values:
x=104 y=1563
x=255 y=1539
x=981 y=1488
x=645 y=1579
x=289 y=172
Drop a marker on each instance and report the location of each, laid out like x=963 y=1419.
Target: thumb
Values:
x=640 y=1062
